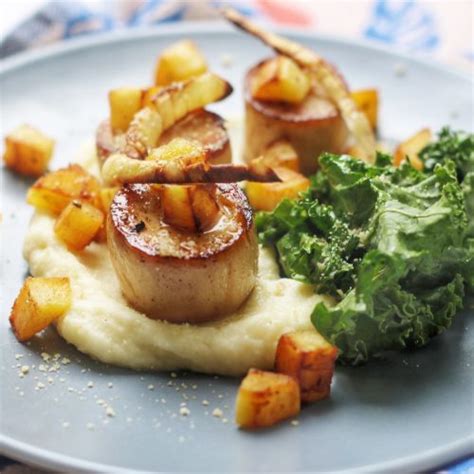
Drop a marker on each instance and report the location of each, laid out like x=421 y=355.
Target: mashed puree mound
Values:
x=101 y=324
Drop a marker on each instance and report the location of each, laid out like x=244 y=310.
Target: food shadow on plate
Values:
x=16 y=181
x=310 y=412
x=413 y=372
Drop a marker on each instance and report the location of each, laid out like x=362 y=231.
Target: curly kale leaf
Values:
x=394 y=246
x=410 y=283
x=455 y=146
x=468 y=190
x=389 y=318
x=313 y=245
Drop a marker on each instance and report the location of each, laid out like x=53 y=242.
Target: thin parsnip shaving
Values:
x=189 y=168
x=168 y=107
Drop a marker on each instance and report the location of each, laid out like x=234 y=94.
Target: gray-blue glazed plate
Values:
x=412 y=411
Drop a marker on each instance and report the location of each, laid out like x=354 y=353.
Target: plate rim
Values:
x=46 y=458
x=24 y=58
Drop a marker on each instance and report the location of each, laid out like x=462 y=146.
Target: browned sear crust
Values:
x=136 y=213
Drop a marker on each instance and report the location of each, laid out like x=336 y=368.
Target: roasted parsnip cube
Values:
x=40 y=302
x=282 y=154
x=353 y=151
x=367 y=100
x=101 y=236
x=266 y=196
x=178 y=62
x=409 y=149
x=177 y=207
x=28 y=151
x=150 y=94
x=78 y=224
x=205 y=208
x=280 y=79
x=124 y=103
x=265 y=398
x=106 y=197
x=54 y=191
x=308 y=358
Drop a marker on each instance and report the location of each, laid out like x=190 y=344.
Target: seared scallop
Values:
x=312 y=126
x=203 y=126
x=183 y=253
x=206 y=128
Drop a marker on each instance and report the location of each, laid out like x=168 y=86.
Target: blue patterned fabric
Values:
x=408 y=24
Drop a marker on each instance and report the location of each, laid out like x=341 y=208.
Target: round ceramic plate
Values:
x=408 y=412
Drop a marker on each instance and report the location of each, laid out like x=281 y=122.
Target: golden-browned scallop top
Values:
x=138 y=213
x=203 y=126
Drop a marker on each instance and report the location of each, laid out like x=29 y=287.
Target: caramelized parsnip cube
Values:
x=353 y=151
x=205 y=208
x=282 y=154
x=149 y=95
x=308 y=358
x=177 y=207
x=178 y=62
x=28 y=151
x=280 y=79
x=54 y=191
x=101 y=236
x=367 y=100
x=106 y=197
x=40 y=302
x=266 y=196
x=124 y=103
x=78 y=224
x=265 y=398
x=409 y=149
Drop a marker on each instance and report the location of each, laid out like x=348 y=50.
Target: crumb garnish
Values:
x=24 y=369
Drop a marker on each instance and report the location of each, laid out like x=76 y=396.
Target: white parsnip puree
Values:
x=102 y=325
